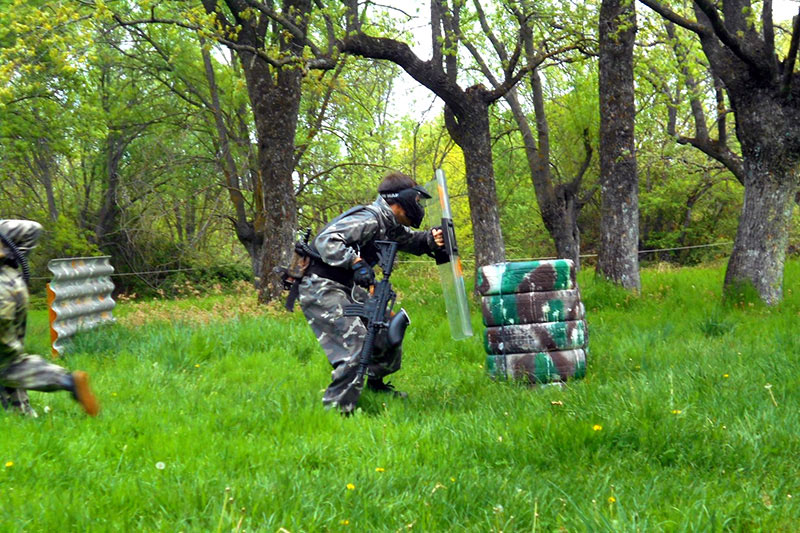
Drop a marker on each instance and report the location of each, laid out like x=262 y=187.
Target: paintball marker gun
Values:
x=291 y=275
x=376 y=312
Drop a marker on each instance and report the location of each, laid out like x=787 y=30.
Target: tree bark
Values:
x=559 y=204
x=245 y=231
x=274 y=92
x=467 y=118
x=759 y=251
x=618 y=258
x=44 y=162
x=471 y=133
x=768 y=128
x=764 y=95
x=108 y=217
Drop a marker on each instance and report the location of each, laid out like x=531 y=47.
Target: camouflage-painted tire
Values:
x=526 y=276
x=540 y=367
x=532 y=338
x=531 y=307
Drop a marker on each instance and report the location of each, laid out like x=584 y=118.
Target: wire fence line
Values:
x=190 y=269
x=653 y=250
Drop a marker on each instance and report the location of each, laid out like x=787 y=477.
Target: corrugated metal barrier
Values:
x=79 y=297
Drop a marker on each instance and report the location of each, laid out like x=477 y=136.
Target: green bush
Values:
x=60 y=239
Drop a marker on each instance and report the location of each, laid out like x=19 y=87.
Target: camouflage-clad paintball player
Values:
x=20 y=372
x=346 y=247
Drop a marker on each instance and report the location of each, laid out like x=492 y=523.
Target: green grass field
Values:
x=687 y=420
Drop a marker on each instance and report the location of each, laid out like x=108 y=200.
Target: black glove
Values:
x=431 y=242
x=363 y=274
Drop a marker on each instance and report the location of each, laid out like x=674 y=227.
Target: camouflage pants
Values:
x=20 y=372
x=322 y=301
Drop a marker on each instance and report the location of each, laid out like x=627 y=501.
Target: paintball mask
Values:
x=409 y=200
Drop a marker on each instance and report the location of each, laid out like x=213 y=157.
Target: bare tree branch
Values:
x=511 y=81
x=487 y=30
x=300 y=150
x=698 y=113
x=292 y=28
x=436 y=33
x=329 y=27
x=726 y=37
x=719 y=152
x=716 y=149
x=683 y=22
x=427 y=73
x=769 y=35
x=791 y=57
x=319 y=63
x=722 y=111
x=587 y=149
x=450 y=29
x=484 y=68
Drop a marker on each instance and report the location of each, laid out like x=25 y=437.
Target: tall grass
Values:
x=687 y=420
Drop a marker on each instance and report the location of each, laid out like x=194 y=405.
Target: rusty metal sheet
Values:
x=79 y=297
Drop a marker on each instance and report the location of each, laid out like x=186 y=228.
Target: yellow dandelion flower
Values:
x=597 y=427
x=345 y=522
x=197 y=366
x=453 y=480
x=9 y=464
x=611 y=499
x=676 y=411
x=379 y=469
x=725 y=376
x=350 y=486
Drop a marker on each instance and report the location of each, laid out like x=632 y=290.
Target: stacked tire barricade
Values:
x=535 y=321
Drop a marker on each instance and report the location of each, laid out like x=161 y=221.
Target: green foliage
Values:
x=742 y=294
x=672 y=428
x=60 y=239
x=716 y=325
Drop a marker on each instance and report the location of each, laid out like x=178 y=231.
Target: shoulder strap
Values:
x=352 y=211
x=347 y=213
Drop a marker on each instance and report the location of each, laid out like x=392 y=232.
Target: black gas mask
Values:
x=409 y=200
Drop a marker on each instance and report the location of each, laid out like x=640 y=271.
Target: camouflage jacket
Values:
x=23 y=233
x=13 y=291
x=342 y=240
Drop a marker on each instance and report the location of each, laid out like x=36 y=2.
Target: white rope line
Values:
x=170 y=271
x=724 y=243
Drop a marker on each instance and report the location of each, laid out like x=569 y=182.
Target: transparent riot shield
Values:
x=450 y=272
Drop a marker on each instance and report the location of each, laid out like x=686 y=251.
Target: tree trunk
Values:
x=44 y=161
x=274 y=90
x=108 y=217
x=565 y=232
x=558 y=204
x=759 y=251
x=275 y=101
x=245 y=231
x=467 y=120
x=471 y=132
x=618 y=258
